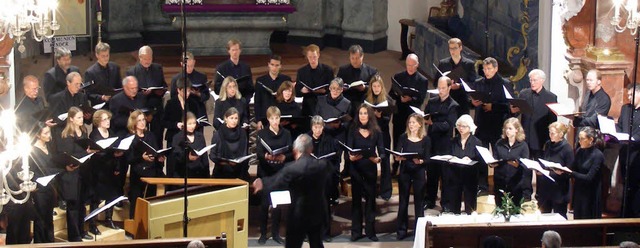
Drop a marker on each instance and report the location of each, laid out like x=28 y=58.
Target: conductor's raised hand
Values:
x=257 y=185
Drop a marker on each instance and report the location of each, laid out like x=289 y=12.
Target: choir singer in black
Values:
x=463 y=179
x=230 y=97
x=409 y=78
x=231 y=143
x=459 y=68
x=366 y=135
x=632 y=193
x=412 y=170
x=536 y=121
x=149 y=75
x=443 y=112
x=196 y=166
x=554 y=196
x=314 y=75
x=269 y=164
x=510 y=176
x=266 y=85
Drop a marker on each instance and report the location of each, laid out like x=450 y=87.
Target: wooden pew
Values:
x=215 y=206
x=596 y=232
x=210 y=242
x=160 y=182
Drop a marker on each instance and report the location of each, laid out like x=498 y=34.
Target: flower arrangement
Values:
x=508 y=208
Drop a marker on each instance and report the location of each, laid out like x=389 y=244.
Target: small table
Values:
x=423 y=223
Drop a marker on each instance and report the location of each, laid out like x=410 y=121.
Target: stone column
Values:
x=333 y=16
x=365 y=23
x=123 y=24
x=306 y=25
x=157 y=24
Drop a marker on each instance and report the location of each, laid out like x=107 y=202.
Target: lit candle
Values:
x=25 y=167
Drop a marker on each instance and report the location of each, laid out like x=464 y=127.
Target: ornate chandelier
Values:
x=14 y=152
x=18 y=17
x=633 y=17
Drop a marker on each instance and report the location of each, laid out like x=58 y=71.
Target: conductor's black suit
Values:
x=305 y=178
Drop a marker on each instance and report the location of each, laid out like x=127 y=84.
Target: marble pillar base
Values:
x=208 y=33
x=368 y=46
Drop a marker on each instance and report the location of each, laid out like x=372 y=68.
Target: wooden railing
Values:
x=211 y=242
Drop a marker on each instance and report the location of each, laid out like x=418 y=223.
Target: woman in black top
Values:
x=463 y=179
x=197 y=166
x=412 y=170
x=334 y=105
x=70 y=179
x=377 y=94
x=105 y=168
x=555 y=195
x=587 y=174
x=323 y=145
x=143 y=164
x=230 y=97
x=285 y=101
x=366 y=135
x=44 y=196
x=509 y=175
x=231 y=143
x=269 y=164
x=172 y=120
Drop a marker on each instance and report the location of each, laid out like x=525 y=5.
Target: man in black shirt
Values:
x=596 y=102
x=123 y=103
x=413 y=79
x=104 y=74
x=237 y=69
x=55 y=79
x=199 y=89
x=631 y=169
x=72 y=96
x=150 y=74
x=490 y=115
x=356 y=71
x=536 y=123
x=443 y=111
x=460 y=68
x=29 y=105
x=264 y=97
x=314 y=74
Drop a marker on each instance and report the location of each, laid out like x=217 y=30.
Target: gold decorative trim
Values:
x=515 y=50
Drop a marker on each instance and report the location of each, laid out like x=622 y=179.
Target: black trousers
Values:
x=385 y=168
x=458 y=182
x=44 y=202
x=434 y=173
x=410 y=176
x=363 y=184
x=75 y=219
x=276 y=213
x=558 y=206
x=297 y=232
x=18 y=223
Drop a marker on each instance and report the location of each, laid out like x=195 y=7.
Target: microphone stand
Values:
x=626 y=192
x=185 y=217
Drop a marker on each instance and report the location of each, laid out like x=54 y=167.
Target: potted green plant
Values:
x=508 y=208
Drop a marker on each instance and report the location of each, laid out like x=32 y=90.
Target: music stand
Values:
x=102 y=209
